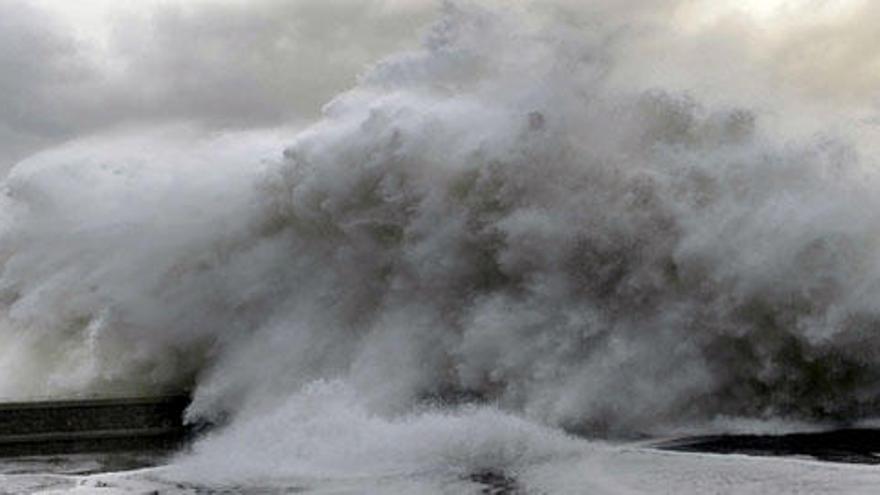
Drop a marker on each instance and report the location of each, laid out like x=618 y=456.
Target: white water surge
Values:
x=487 y=241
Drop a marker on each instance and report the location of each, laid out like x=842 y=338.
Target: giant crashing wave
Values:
x=489 y=219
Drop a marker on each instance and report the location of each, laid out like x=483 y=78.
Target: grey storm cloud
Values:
x=219 y=64
x=257 y=62
x=263 y=63
x=38 y=68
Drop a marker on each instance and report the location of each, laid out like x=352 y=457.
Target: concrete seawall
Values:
x=853 y=445
x=97 y=425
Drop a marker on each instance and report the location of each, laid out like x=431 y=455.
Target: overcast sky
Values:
x=73 y=68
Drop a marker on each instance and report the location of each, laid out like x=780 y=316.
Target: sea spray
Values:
x=487 y=229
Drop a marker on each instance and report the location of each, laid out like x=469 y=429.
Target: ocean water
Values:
x=490 y=265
